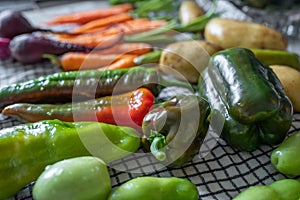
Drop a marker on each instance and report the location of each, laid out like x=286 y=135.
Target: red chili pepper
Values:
x=126 y=109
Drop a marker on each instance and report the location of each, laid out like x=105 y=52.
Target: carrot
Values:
x=128 y=48
x=87 y=16
x=101 y=31
x=128 y=27
x=136 y=26
x=92 y=40
x=100 y=39
x=103 y=22
x=126 y=61
x=125 y=26
x=81 y=61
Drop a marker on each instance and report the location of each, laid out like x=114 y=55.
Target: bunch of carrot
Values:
x=118 y=57
x=102 y=27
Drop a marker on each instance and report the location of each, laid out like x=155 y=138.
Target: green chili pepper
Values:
x=285 y=158
x=79 y=85
x=174 y=131
x=150 y=188
x=277 y=57
x=248 y=96
x=25 y=150
x=286 y=189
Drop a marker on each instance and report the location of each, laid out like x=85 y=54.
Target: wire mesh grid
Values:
x=219 y=171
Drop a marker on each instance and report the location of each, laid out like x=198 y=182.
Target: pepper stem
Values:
x=158 y=142
x=53 y=58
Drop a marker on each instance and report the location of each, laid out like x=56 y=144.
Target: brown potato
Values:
x=189 y=11
x=290 y=80
x=186 y=60
x=233 y=33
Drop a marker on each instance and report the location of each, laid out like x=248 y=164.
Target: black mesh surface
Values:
x=219 y=171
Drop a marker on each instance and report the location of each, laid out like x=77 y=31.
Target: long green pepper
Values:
x=25 y=150
x=82 y=85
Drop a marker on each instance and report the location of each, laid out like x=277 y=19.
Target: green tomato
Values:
x=258 y=193
x=80 y=178
x=155 y=188
x=288 y=189
x=285 y=158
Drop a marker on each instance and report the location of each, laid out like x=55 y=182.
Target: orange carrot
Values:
x=87 y=16
x=128 y=48
x=125 y=26
x=128 y=27
x=126 y=61
x=103 y=22
x=92 y=40
x=136 y=26
x=100 y=39
x=81 y=61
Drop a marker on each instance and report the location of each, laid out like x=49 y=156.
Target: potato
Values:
x=186 y=60
x=189 y=11
x=290 y=79
x=229 y=33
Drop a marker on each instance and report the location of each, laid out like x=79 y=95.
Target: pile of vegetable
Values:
x=103 y=106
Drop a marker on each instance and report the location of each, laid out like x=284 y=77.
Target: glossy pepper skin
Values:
x=285 y=158
x=285 y=189
x=25 y=150
x=248 y=97
x=150 y=188
x=126 y=109
x=82 y=85
x=174 y=131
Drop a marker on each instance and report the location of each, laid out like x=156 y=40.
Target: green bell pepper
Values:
x=286 y=189
x=285 y=158
x=248 y=97
x=175 y=130
x=25 y=150
x=150 y=188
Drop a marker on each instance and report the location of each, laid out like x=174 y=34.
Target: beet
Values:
x=13 y=23
x=4 y=48
x=30 y=48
